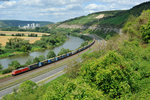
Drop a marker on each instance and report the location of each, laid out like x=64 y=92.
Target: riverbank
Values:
x=12 y=54
x=39 y=45
x=34 y=49
x=70 y=43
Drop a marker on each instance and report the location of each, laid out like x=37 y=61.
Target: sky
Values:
x=58 y=10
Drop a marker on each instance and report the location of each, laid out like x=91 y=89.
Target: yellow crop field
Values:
x=25 y=33
x=4 y=39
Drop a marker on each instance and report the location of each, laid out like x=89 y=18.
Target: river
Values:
x=72 y=43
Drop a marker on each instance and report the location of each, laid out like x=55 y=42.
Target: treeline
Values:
x=22 y=34
x=18 y=34
x=19 y=44
x=44 y=29
x=2 y=34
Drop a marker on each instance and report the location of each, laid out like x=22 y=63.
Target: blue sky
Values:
x=58 y=10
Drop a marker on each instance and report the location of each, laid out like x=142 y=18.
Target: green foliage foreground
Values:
x=122 y=73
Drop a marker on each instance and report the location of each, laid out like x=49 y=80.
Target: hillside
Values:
x=111 y=18
x=117 y=69
x=16 y=23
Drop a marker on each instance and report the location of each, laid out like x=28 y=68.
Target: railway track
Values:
x=7 y=84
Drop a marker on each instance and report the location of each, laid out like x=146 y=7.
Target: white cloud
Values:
x=31 y=2
x=95 y=8
x=92 y=6
x=7 y=4
x=58 y=10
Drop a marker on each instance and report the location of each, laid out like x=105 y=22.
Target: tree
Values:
x=51 y=54
x=29 y=61
x=36 y=60
x=27 y=87
x=111 y=75
x=1 y=51
x=14 y=65
x=41 y=57
x=145 y=31
x=1 y=67
x=18 y=44
x=63 y=51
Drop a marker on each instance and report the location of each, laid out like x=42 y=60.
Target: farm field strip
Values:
x=25 y=33
x=4 y=39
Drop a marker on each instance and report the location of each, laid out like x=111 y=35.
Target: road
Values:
x=47 y=73
x=36 y=79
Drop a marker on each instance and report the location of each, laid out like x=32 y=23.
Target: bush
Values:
x=18 y=44
x=111 y=75
x=51 y=54
x=36 y=60
x=7 y=70
x=73 y=69
x=14 y=65
x=28 y=62
x=42 y=57
x=84 y=44
x=139 y=27
x=145 y=31
x=63 y=51
x=1 y=67
x=72 y=90
x=27 y=87
x=1 y=51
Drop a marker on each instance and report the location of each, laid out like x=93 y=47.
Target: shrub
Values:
x=42 y=57
x=36 y=60
x=14 y=65
x=63 y=51
x=145 y=31
x=29 y=61
x=18 y=44
x=111 y=75
x=84 y=44
x=73 y=69
x=27 y=87
x=51 y=54
x=7 y=70
x=1 y=67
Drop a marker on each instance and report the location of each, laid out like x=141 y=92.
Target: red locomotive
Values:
x=19 y=71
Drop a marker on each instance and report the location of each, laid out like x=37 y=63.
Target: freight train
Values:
x=48 y=61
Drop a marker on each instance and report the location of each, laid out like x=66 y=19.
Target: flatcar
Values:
x=51 y=60
x=33 y=66
x=45 y=62
x=69 y=54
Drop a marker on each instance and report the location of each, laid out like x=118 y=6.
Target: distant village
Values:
x=30 y=26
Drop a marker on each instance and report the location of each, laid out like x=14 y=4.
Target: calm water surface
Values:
x=72 y=43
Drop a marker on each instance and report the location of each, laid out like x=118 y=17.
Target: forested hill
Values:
x=116 y=69
x=15 y=23
x=111 y=18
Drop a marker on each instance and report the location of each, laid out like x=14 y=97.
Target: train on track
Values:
x=48 y=61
